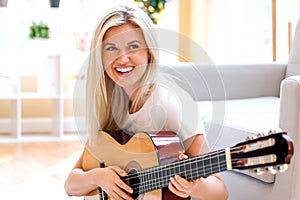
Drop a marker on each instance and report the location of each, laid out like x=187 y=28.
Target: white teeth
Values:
x=124 y=70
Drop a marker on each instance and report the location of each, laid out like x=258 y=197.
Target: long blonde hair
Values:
x=102 y=94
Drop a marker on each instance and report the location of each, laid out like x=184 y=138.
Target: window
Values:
x=241 y=31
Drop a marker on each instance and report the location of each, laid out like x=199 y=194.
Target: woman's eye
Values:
x=133 y=47
x=111 y=48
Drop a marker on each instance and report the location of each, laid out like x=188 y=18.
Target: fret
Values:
x=203 y=168
x=156 y=179
x=210 y=160
x=159 y=184
x=152 y=179
x=177 y=169
x=172 y=170
x=164 y=175
x=182 y=170
x=194 y=168
x=147 y=178
x=188 y=170
x=219 y=168
x=222 y=160
x=215 y=168
x=142 y=180
x=147 y=186
x=184 y=164
x=207 y=165
x=168 y=175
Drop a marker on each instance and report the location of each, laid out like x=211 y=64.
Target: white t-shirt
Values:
x=166 y=111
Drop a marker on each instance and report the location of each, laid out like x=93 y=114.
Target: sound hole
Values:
x=133 y=179
x=134 y=183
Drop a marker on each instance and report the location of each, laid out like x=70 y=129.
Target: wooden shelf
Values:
x=55 y=122
x=21 y=62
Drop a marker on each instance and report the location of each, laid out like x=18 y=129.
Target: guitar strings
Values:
x=149 y=185
x=171 y=166
x=152 y=182
x=192 y=159
x=213 y=155
x=152 y=170
x=156 y=169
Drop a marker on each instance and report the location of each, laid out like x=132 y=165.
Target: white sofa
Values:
x=236 y=101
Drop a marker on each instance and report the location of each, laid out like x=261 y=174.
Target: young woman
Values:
x=122 y=94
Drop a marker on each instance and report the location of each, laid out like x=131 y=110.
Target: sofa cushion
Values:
x=254 y=115
x=230 y=122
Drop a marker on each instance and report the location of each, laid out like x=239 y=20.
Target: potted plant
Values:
x=39 y=33
x=40 y=30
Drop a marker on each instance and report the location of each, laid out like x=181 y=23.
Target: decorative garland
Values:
x=154 y=8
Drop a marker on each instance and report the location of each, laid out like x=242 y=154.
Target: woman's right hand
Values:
x=109 y=180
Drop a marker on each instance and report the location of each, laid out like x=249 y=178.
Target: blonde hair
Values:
x=101 y=92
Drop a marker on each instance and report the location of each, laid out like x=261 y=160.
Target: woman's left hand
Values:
x=182 y=187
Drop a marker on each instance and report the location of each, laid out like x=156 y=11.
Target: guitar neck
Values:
x=192 y=168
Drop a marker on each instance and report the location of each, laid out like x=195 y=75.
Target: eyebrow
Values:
x=134 y=41
x=109 y=43
x=129 y=43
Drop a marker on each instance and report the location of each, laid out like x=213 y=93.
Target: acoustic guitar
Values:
x=151 y=159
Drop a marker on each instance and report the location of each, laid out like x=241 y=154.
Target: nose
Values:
x=124 y=57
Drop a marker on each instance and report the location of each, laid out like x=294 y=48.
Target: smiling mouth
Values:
x=124 y=69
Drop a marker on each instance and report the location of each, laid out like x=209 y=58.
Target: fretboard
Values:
x=192 y=168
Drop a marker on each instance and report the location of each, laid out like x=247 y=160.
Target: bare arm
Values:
x=80 y=182
x=209 y=188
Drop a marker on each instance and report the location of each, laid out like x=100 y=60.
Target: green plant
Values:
x=154 y=8
x=40 y=30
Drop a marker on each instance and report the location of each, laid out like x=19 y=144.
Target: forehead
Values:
x=125 y=32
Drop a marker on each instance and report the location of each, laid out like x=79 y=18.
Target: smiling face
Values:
x=125 y=56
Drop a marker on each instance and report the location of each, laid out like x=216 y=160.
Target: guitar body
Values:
x=133 y=153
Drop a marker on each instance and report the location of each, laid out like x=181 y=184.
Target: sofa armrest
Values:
x=289 y=121
x=290 y=104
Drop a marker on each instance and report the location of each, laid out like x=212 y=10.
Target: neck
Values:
x=190 y=169
x=137 y=100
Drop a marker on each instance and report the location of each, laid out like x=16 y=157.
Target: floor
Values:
x=36 y=170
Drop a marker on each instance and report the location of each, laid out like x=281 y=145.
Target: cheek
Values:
x=142 y=57
x=106 y=61
x=109 y=73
